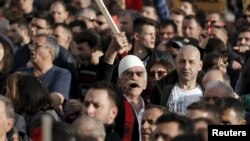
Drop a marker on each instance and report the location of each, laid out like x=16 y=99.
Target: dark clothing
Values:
x=21 y=57
x=111 y=135
x=86 y=76
x=3 y=78
x=162 y=90
x=56 y=79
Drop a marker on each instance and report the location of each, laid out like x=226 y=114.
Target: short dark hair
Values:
x=231 y=103
x=142 y=21
x=163 y=109
x=215 y=45
x=169 y=23
x=193 y=17
x=8 y=106
x=185 y=124
x=89 y=36
x=45 y=15
x=112 y=90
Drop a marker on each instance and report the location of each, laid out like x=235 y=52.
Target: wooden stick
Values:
x=106 y=14
x=46 y=128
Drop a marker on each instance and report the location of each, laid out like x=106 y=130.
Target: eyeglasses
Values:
x=214 y=98
x=159 y=73
x=246 y=16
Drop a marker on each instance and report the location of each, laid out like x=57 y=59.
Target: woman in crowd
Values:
x=6 y=59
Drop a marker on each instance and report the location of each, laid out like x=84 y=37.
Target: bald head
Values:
x=188 y=64
x=189 y=49
x=214 y=75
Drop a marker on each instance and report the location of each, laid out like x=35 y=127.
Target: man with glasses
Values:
x=43 y=51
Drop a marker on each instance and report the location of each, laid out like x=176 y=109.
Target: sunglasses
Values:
x=159 y=73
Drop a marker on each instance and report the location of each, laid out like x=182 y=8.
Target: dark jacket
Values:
x=163 y=88
x=111 y=135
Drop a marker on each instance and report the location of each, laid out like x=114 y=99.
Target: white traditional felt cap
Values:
x=129 y=61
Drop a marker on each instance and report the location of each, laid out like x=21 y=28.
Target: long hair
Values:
x=34 y=96
x=11 y=85
x=7 y=60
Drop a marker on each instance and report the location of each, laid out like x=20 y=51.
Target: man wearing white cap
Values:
x=132 y=80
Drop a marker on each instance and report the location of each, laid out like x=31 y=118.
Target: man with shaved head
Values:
x=180 y=87
x=215 y=75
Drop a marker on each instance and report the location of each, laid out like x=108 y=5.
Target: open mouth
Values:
x=133 y=85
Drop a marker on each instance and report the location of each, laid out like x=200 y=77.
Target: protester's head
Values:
x=243 y=37
x=6 y=55
x=6 y=116
x=101 y=102
x=58 y=10
x=89 y=129
x=41 y=23
x=171 y=125
x=132 y=76
x=202 y=110
x=43 y=50
x=188 y=63
x=88 y=15
x=216 y=90
x=149 y=117
x=191 y=27
x=149 y=10
x=159 y=69
x=231 y=110
x=144 y=32
x=215 y=75
x=64 y=35
x=214 y=61
x=126 y=18
x=189 y=7
x=168 y=29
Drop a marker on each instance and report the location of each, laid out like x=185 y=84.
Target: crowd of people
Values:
x=166 y=76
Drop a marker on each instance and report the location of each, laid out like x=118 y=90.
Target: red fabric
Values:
x=120 y=56
x=115 y=19
x=134 y=4
x=129 y=121
x=37 y=134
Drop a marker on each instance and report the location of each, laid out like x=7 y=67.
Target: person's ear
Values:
x=136 y=36
x=10 y=123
